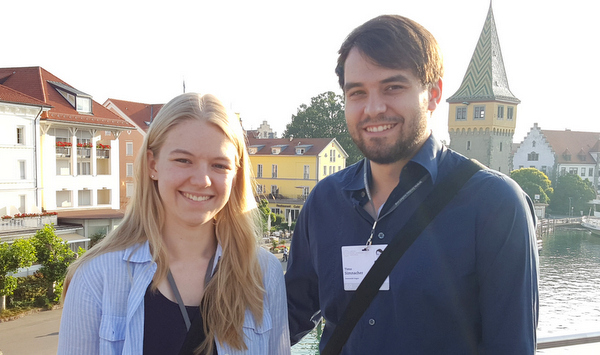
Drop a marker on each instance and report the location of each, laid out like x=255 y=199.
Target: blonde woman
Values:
x=182 y=274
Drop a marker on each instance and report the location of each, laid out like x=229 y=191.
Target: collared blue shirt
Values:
x=104 y=307
x=468 y=284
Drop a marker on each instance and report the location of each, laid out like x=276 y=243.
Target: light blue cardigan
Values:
x=104 y=308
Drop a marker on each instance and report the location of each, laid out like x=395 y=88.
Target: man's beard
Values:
x=406 y=145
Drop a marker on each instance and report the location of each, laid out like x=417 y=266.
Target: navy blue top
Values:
x=164 y=326
x=468 y=284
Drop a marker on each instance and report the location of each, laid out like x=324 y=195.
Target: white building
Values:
x=559 y=152
x=62 y=149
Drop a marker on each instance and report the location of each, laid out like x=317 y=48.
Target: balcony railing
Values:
x=102 y=153
x=83 y=152
x=63 y=152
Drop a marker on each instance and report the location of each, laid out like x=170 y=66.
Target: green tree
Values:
x=324 y=118
x=12 y=257
x=55 y=256
x=534 y=182
x=571 y=190
x=265 y=211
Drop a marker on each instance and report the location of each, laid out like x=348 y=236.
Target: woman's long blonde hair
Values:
x=237 y=284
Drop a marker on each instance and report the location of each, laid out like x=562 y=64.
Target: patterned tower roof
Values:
x=485 y=79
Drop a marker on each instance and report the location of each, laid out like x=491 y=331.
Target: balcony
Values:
x=102 y=153
x=63 y=152
x=83 y=152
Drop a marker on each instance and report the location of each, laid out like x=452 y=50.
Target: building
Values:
x=483 y=111
x=559 y=152
x=139 y=115
x=287 y=169
x=71 y=145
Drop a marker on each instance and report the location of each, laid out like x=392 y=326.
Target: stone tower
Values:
x=483 y=111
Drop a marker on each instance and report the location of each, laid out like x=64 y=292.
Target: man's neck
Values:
x=384 y=179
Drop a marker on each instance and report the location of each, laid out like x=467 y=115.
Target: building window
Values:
x=461 y=113
x=331 y=170
x=305 y=191
x=274 y=171
x=591 y=172
x=129 y=189
x=260 y=189
x=563 y=170
x=276 y=210
x=332 y=156
x=84 y=197
x=573 y=171
x=500 y=146
x=509 y=112
x=259 y=171
x=479 y=113
x=324 y=171
x=274 y=190
x=129 y=149
x=21 y=135
x=468 y=145
x=22 y=171
x=84 y=168
x=582 y=172
x=533 y=156
x=500 y=112
x=84 y=104
x=533 y=144
x=22 y=203
x=300 y=151
x=306 y=172
x=544 y=169
x=129 y=169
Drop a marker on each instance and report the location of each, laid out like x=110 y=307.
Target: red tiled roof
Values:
x=13 y=96
x=288 y=147
x=138 y=112
x=34 y=82
x=573 y=142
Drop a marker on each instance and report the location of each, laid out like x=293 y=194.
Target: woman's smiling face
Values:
x=195 y=170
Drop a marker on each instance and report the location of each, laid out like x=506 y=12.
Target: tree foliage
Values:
x=13 y=256
x=54 y=254
x=324 y=118
x=534 y=182
x=572 y=190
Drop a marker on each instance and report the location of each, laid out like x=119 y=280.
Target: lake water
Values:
x=569 y=291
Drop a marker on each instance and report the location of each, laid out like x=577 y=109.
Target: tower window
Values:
x=479 y=113
x=468 y=145
x=500 y=112
x=509 y=112
x=461 y=113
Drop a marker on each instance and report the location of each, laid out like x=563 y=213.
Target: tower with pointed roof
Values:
x=483 y=111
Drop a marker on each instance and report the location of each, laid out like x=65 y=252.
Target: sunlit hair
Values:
x=395 y=42
x=237 y=285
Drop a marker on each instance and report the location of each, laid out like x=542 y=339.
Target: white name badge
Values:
x=356 y=263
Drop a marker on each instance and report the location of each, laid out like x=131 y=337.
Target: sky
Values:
x=264 y=59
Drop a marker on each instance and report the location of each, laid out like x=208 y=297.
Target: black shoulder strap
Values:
x=437 y=199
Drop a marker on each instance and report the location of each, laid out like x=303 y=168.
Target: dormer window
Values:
x=80 y=101
x=300 y=151
x=252 y=150
x=275 y=150
x=84 y=104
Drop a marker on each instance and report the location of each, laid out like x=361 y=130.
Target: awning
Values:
x=73 y=238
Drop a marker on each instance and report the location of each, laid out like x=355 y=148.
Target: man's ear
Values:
x=435 y=95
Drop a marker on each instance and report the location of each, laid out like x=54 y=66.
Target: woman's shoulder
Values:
x=112 y=262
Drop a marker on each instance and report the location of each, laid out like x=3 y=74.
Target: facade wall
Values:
x=18 y=150
x=135 y=139
x=535 y=146
x=71 y=179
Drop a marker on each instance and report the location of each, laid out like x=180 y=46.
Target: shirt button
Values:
x=380 y=235
x=371 y=321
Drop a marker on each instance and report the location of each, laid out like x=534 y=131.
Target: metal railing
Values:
x=568 y=340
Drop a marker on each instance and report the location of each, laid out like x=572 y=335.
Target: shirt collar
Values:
x=140 y=253
x=429 y=157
